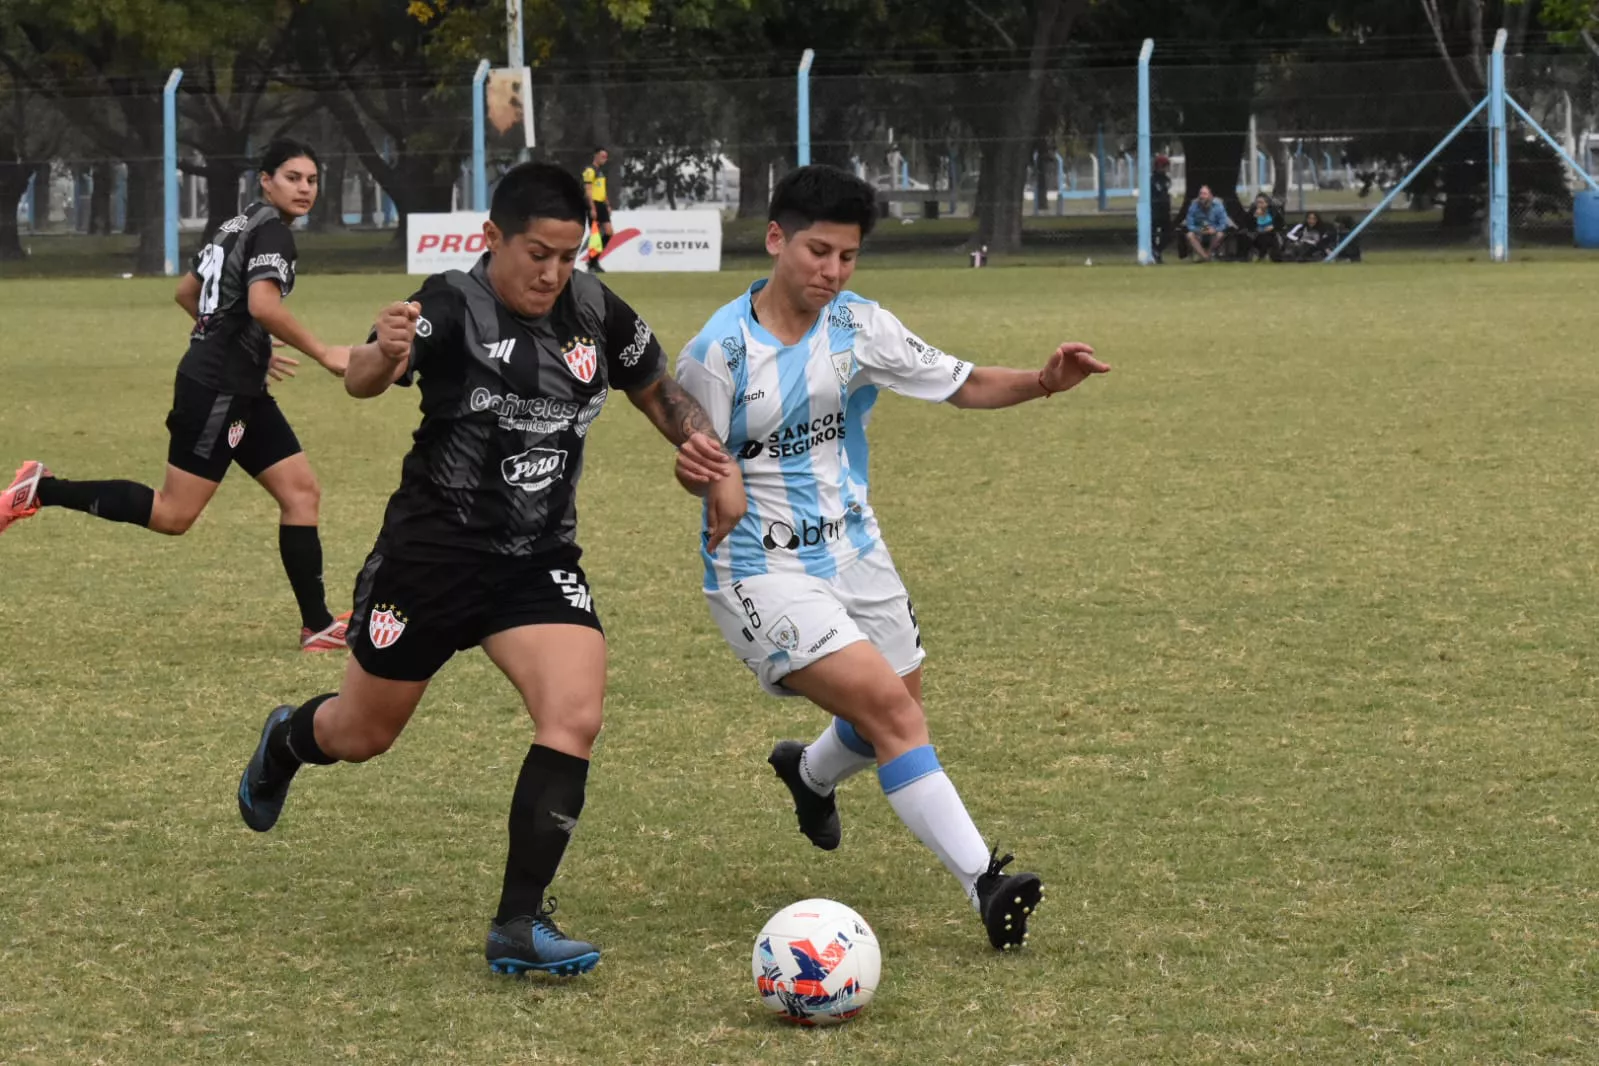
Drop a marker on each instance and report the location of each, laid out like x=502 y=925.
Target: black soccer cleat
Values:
x=534 y=942
x=818 y=815
x=265 y=784
x=1006 y=901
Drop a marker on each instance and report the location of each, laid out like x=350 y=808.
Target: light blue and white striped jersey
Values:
x=795 y=416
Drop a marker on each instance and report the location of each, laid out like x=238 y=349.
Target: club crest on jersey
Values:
x=581 y=358
x=843 y=365
x=235 y=434
x=785 y=634
x=385 y=624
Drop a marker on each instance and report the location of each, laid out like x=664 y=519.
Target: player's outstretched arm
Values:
x=990 y=387
x=380 y=362
x=267 y=308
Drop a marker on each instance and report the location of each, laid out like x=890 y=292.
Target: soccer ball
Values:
x=816 y=962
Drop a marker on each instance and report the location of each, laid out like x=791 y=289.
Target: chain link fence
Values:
x=1056 y=151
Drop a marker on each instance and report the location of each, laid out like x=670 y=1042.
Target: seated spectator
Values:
x=1207 y=225
x=1311 y=240
x=1264 y=237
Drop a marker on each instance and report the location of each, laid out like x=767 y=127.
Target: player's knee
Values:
x=302 y=500
x=172 y=521
x=892 y=719
x=571 y=724
x=367 y=741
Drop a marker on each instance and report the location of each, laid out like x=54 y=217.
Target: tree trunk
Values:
x=999 y=195
x=1215 y=149
x=13 y=185
x=145 y=215
x=102 y=178
x=754 y=181
x=41 y=197
x=222 y=192
x=1283 y=160
x=329 y=212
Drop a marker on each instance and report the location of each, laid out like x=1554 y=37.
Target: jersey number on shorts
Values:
x=210 y=271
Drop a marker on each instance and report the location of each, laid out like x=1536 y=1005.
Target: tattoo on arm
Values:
x=675 y=413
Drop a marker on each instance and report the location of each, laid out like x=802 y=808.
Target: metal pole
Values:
x=513 y=34
x=1060 y=184
x=1499 y=174
x=804 y=93
x=1146 y=210
x=1100 y=179
x=169 y=162
x=480 y=176
x=1393 y=194
x=1252 y=172
x=954 y=183
x=1540 y=131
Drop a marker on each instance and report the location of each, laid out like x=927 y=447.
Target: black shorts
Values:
x=602 y=213
x=411 y=616
x=211 y=429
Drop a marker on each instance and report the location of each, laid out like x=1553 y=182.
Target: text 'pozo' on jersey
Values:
x=507 y=402
x=230 y=351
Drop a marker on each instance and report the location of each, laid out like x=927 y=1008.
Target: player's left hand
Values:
x=1070 y=366
x=725 y=505
x=281 y=366
x=701 y=460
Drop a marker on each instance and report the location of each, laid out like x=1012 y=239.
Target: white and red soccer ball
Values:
x=816 y=962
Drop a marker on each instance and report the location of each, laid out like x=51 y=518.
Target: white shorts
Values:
x=779 y=623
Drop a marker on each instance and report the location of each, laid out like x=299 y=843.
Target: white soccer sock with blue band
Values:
x=834 y=757
x=926 y=801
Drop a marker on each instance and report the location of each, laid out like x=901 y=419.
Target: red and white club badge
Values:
x=235 y=434
x=384 y=625
x=581 y=358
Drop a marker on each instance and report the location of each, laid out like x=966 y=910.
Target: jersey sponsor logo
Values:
x=590 y=412
x=750 y=449
x=424 y=328
x=641 y=340
x=500 y=351
x=235 y=224
x=535 y=469
x=841 y=318
x=928 y=354
x=581 y=358
x=572 y=587
x=235 y=434
x=733 y=352
x=749 y=606
x=273 y=260
x=814 y=648
x=785 y=634
x=780 y=536
x=801 y=437
x=749 y=398
x=843 y=365
x=538 y=414
x=385 y=624
x=960 y=368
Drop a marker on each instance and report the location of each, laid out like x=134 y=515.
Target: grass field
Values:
x=1273 y=651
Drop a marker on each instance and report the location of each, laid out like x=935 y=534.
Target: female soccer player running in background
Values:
x=221 y=411
x=803 y=588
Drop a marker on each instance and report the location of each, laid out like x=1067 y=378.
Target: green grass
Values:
x=1273 y=651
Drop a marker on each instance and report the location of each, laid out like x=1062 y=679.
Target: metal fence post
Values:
x=803 y=90
x=480 y=177
x=1145 y=209
x=1499 y=170
x=169 y=162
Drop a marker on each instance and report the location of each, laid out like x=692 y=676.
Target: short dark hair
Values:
x=284 y=149
x=821 y=193
x=598 y=150
x=537 y=190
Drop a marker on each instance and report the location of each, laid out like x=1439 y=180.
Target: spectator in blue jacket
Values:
x=1207 y=224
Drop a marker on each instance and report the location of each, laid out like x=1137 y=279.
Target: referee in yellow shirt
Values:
x=599 y=205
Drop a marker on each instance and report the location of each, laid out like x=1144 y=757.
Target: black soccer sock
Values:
x=605 y=239
x=301 y=550
x=115 y=501
x=544 y=812
x=294 y=742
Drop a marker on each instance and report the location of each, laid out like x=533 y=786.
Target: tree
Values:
x=26 y=136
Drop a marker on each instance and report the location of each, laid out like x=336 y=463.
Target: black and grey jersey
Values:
x=229 y=351
x=507 y=402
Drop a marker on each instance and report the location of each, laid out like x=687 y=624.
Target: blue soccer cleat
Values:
x=534 y=942
x=265 y=784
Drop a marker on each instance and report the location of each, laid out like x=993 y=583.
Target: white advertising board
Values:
x=642 y=241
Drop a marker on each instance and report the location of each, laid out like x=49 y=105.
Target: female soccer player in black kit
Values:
x=514 y=360
x=222 y=412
